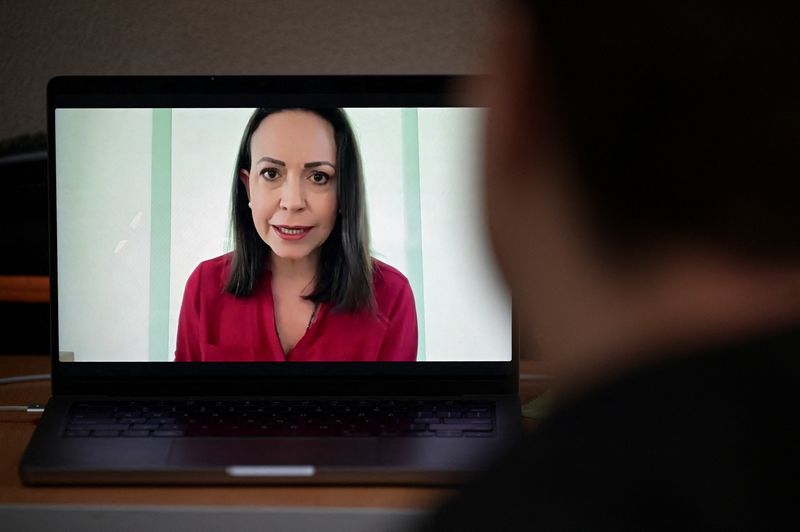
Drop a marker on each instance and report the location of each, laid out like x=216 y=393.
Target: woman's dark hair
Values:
x=344 y=275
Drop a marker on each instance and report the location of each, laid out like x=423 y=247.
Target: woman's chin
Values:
x=280 y=251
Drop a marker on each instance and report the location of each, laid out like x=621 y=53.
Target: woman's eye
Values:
x=270 y=173
x=319 y=178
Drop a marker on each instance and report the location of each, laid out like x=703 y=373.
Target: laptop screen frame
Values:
x=258 y=378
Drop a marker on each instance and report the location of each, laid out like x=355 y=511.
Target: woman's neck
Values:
x=295 y=271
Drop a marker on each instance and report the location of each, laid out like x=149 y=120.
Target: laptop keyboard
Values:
x=155 y=419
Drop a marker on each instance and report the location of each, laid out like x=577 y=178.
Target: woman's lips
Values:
x=291 y=232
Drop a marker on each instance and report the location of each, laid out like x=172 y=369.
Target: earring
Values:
x=249 y=204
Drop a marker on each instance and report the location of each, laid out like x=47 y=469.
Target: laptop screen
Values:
x=148 y=239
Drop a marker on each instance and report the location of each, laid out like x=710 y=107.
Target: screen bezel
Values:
x=254 y=378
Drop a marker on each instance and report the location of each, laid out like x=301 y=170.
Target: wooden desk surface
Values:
x=16 y=430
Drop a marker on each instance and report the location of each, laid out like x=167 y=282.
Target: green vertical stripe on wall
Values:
x=413 y=215
x=160 y=222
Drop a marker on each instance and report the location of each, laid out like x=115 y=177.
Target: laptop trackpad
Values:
x=278 y=451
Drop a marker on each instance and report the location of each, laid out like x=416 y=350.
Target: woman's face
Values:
x=291 y=183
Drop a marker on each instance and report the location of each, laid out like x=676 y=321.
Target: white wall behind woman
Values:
x=103 y=193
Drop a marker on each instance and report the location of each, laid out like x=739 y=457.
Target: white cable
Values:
x=29 y=409
x=25 y=378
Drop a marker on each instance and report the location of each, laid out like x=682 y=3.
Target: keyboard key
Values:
x=172 y=426
x=103 y=428
x=168 y=433
x=477 y=428
x=427 y=420
x=161 y=420
x=468 y=421
x=105 y=433
x=449 y=433
x=145 y=426
x=91 y=420
x=478 y=414
x=135 y=433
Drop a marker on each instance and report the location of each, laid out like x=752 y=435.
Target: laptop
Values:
x=177 y=356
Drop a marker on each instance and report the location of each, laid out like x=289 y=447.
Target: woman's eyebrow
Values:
x=318 y=163
x=271 y=160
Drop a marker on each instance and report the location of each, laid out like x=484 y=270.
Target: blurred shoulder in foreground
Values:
x=641 y=182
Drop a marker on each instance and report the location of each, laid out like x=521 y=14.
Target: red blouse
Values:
x=215 y=326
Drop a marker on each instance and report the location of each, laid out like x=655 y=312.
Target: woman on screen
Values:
x=300 y=284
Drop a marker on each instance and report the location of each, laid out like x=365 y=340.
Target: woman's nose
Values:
x=292 y=195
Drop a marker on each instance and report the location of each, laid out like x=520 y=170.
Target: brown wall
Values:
x=40 y=39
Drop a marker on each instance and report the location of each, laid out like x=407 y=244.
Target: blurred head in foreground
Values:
x=642 y=174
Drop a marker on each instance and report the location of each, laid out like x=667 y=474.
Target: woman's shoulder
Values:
x=212 y=271
x=222 y=262
x=388 y=280
x=393 y=295
x=386 y=273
